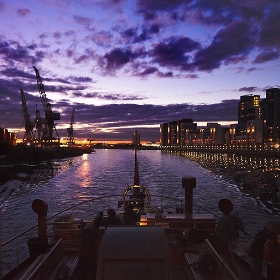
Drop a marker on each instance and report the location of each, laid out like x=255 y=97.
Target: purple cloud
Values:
x=248 y=89
x=159 y=5
x=270 y=29
x=136 y=35
x=23 y=12
x=84 y=21
x=266 y=56
x=81 y=79
x=117 y=58
x=230 y=42
x=148 y=71
x=174 y=52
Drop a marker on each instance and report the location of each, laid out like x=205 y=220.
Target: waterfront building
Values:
x=232 y=133
x=7 y=137
x=263 y=110
x=164 y=134
x=172 y=134
x=178 y=133
x=250 y=124
x=255 y=132
x=186 y=128
x=152 y=144
x=272 y=116
x=201 y=136
x=238 y=134
x=135 y=138
x=258 y=126
x=248 y=109
x=216 y=134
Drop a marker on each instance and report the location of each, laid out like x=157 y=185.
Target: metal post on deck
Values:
x=38 y=245
x=1 y=261
x=188 y=183
x=41 y=208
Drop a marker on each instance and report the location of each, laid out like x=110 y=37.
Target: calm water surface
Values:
x=66 y=182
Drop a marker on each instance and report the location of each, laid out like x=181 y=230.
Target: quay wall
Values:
x=243 y=151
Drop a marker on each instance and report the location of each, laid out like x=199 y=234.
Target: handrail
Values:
x=103 y=197
x=17 y=236
x=53 y=216
x=100 y=198
x=80 y=203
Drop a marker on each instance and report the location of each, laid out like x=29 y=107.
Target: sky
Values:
x=131 y=65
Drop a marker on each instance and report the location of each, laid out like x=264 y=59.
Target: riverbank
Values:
x=19 y=162
x=226 y=150
x=31 y=154
x=206 y=149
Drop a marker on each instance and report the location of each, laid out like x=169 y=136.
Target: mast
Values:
x=136 y=170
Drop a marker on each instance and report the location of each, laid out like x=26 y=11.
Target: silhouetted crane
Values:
x=39 y=121
x=28 y=125
x=70 y=130
x=50 y=117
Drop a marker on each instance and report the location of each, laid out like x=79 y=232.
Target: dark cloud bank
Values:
x=113 y=121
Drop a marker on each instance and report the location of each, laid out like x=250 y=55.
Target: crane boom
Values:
x=41 y=90
x=50 y=117
x=28 y=135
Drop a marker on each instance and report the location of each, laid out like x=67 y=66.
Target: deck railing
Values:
x=15 y=250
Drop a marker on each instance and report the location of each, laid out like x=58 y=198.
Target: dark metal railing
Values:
x=14 y=251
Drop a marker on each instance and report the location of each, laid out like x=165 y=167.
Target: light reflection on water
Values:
x=64 y=183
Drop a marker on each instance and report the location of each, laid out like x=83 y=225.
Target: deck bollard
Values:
x=188 y=183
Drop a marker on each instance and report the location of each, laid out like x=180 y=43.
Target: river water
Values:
x=66 y=182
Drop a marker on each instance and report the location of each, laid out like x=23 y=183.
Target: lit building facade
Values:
x=258 y=126
x=186 y=129
x=248 y=109
x=172 y=134
x=7 y=137
x=164 y=134
x=272 y=116
x=217 y=135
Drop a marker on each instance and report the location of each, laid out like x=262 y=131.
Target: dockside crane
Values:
x=70 y=130
x=39 y=121
x=28 y=137
x=47 y=131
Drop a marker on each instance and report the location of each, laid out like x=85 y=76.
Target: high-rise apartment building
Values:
x=164 y=134
x=272 y=116
x=185 y=130
x=177 y=133
x=248 y=109
x=250 y=128
x=172 y=133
